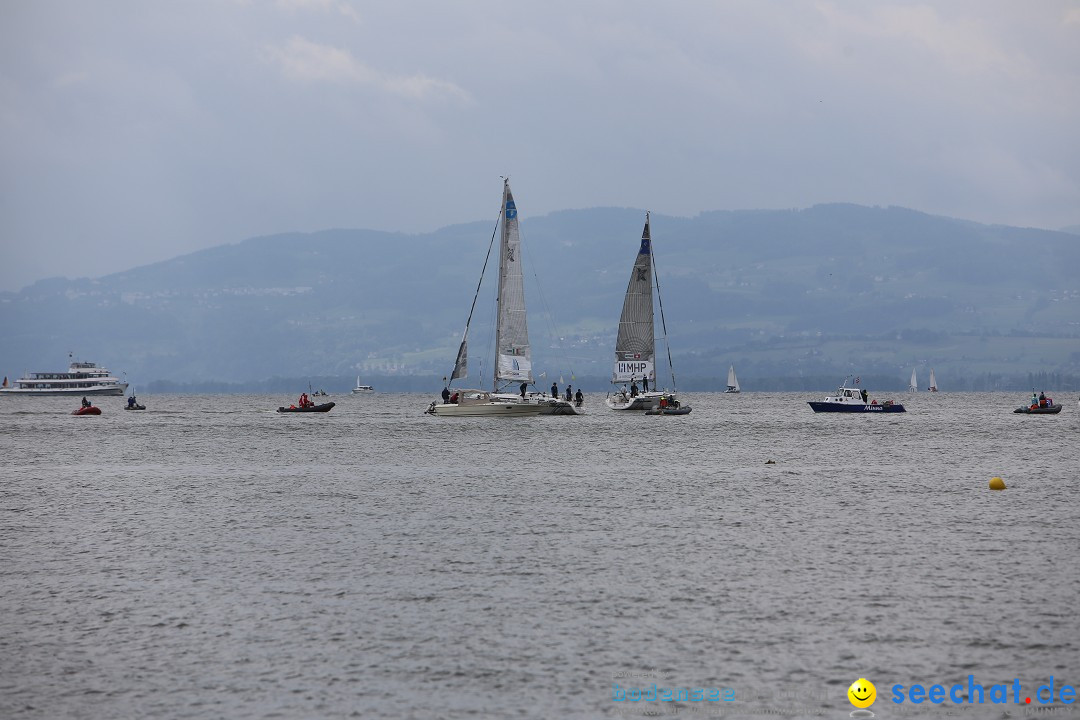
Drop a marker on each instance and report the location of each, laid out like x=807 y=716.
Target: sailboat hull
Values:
x=489 y=409
x=548 y=405
x=480 y=403
x=560 y=407
x=642 y=401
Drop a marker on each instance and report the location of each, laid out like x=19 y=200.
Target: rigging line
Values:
x=663 y=322
x=487 y=257
x=490 y=350
x=549 y=316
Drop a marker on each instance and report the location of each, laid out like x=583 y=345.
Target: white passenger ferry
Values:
x=82 y=378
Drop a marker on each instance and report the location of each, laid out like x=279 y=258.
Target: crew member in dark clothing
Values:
x=569 y=394
x=554 y=390
x=85 y=402
x=445 y=395
x=645 y=383
x=524 y=387
x=633 y=387
x=579 y=398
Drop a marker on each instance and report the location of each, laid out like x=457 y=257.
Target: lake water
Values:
x=209 y=558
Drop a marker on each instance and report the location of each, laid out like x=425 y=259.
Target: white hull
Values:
x=559 y=407
x=480 y=403
x=364 y=389
x=82 y=378
x=643 y=401
x=97 y=390
x=548 y=405
x=487 y=409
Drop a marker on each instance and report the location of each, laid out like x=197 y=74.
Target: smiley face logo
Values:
x=862 y=693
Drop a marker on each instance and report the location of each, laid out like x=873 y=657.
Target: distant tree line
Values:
x=336 y=385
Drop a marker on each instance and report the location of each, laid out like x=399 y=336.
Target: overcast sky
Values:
x=132 y=132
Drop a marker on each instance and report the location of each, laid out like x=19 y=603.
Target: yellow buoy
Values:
x=997 y=483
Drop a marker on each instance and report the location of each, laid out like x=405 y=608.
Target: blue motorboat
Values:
x=854 y=400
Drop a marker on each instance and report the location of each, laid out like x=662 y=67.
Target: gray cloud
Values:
x=132 y=132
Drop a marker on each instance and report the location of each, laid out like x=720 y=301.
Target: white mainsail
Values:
x=635 y=347
x=914 y=385
x=933 y=381
x=732 y=381
x=513 y=356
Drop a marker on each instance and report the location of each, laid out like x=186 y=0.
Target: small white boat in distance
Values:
x=913 y=386
x=732 y=381
x=362 y=388
x=933 y=381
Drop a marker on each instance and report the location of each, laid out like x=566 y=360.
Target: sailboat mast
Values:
x=663 y=322
x=503 y=242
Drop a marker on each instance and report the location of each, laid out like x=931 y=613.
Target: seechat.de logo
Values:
x=974 y=693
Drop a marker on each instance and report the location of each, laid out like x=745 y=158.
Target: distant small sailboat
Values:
x=362 y=388
x=933 y=381
x=732 y=381
x=914 y=385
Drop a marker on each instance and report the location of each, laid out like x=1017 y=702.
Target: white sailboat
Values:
x=732 y=381
x=933 y=381
x=362 y=388
x=913 y=386
x=513 y=353
x=635 y=346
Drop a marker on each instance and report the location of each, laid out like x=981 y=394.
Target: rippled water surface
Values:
x=211 y=558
